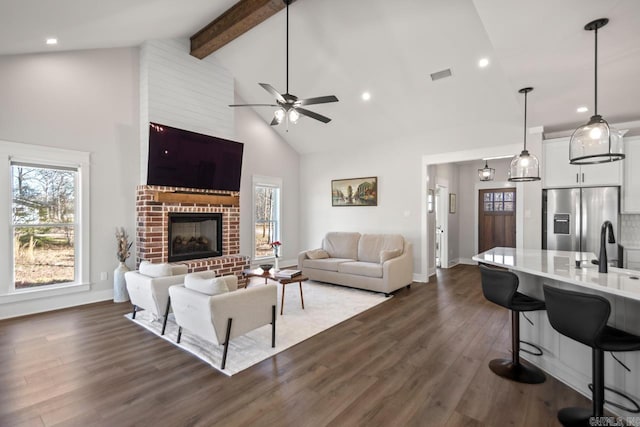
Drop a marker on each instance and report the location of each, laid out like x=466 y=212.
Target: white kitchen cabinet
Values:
x=558 y=172
x=631 y=186
x=632 y=259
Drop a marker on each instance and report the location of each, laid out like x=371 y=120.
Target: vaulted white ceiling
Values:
x=388 y=48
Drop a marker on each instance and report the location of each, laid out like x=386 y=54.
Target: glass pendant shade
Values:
x=293 y=116
x=486 y=173
x=278 y=115
x=596 y=141
x=524 y=167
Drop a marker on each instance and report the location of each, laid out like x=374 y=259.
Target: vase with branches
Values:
x=276 y=247
x=123 y=251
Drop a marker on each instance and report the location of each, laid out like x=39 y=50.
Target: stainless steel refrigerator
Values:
x=572 y=219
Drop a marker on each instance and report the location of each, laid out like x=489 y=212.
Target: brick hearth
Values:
x=152 y=230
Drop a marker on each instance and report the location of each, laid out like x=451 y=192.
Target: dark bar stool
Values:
x=583 y=317
x=500 y=287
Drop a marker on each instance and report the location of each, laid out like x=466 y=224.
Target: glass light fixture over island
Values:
x=525 y=166
x=596 y=141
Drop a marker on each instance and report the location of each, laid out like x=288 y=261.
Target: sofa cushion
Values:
x=359 y=268
x=317 y=254
x=341 y=244
x=370 y=245
x=209 y=286
x=387 y=254
x=329 y=264
x=155 y=270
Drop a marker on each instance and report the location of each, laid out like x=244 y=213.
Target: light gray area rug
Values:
x=325 y=306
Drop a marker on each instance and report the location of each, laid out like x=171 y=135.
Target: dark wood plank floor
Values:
x=419 y=359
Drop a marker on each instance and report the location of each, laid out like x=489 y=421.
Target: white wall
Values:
x=398 y=210
x=85 y=101
x=266 y=154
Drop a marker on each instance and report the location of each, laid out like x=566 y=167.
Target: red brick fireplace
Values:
x=155 y=203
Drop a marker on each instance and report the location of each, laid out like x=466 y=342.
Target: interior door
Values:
x=496 y=218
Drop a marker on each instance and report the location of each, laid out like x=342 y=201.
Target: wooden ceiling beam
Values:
x=236 y=21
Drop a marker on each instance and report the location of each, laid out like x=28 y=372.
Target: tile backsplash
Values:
x=630 y=230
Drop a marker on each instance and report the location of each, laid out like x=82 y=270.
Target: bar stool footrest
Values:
x=538 y=351
x=521 y=373
x=634 y=410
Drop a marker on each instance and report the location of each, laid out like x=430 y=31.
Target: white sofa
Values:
x=148 y=287
x=375 y=262
x=214 y=309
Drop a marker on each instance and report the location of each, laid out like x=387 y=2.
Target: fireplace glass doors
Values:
x=194 y=235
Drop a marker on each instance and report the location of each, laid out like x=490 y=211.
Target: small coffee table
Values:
x=268 y=275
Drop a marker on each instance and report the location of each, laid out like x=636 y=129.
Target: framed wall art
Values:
x=354 y=192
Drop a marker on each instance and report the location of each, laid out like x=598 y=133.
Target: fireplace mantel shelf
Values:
x=197 y=198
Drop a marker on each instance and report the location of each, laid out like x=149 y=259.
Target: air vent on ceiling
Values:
x=441 y=74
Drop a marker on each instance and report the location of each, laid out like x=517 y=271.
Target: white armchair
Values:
x=221 y=317
x=149 y=287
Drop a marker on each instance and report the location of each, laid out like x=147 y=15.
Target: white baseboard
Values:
x=467 y=261
x=432 y=271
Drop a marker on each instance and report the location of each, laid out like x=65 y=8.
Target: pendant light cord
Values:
x=596 y=75
x=525 y=121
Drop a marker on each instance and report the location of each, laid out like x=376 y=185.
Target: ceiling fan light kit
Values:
x=595 y=141
x=525 y=166
x=289 y=106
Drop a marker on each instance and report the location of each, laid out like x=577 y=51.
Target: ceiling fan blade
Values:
x=313 y=115
x=274 y=122
x=272 y=91
x=318 y=100
x=253 y=105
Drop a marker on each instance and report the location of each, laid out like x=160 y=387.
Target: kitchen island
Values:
x=564 y=358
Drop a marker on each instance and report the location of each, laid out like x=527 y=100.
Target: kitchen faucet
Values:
x=602 y=260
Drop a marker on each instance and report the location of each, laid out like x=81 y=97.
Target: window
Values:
x=44 y=224
x=46 y=249
x=266 y=198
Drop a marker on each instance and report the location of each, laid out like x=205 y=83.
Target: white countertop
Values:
x=561 y=266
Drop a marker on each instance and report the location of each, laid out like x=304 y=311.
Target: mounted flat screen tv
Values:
x=180 y=158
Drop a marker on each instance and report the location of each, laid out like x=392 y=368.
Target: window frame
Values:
x=265 y=181
x=46 y=157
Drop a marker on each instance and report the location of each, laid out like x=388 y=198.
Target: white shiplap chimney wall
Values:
x=179 y=90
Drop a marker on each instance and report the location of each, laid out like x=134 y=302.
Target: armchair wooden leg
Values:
x=226 y=343
x=273 y=326
x=166 y=316
x=135 y=308
x=179 y=334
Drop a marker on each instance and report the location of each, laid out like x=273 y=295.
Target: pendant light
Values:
x=524 y=166
x=596 y=141
x=486 y=173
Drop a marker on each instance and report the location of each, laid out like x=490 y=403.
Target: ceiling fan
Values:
x=290 y=107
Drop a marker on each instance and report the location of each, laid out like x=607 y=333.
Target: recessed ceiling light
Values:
x=366 y=96
x=582 y=109
x=483 y=62
x=52 y=41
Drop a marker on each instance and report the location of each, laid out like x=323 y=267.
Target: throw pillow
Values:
x=155 y=270
x=317 y=254
x=213 y=286
x=387 y=254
